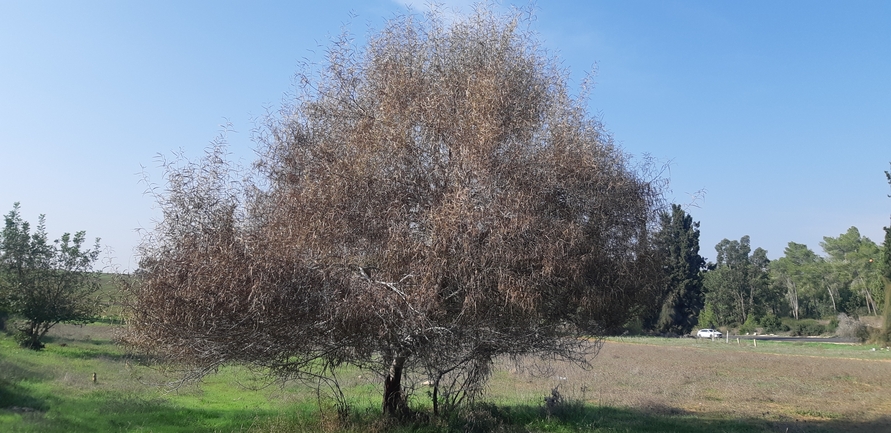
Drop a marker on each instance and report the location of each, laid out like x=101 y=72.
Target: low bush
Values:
x=749 y=326
x=772 y=323
x=851 y=327
x=873 y=335
x=833 y=323
x=806 y=328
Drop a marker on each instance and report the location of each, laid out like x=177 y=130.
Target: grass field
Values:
x=774 y=386
x=636 y=385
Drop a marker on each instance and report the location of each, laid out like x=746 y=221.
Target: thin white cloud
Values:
x=452 y=6
x=451 y=9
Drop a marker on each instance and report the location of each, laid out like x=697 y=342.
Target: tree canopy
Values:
x=739 y=285
x=429 y=202
x=800 y=272
x=854 y=259
x=45 y=283
x=801 y=283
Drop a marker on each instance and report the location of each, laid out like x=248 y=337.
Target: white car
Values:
x=709 y=333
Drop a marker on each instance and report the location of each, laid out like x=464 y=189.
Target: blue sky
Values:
x=780 y=111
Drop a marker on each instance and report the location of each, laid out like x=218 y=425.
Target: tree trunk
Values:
x=792 y=294
x=394 y=399
x=870 y=303
x=832 y=298
x=886 y=313
x=33 y=334
x=436 y=396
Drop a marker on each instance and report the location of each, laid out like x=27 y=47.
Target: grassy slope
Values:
x=57 y=382
x=637 y=385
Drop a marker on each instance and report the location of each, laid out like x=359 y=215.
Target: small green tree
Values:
x=749 y=326
x=45 y=283
x=707 y=318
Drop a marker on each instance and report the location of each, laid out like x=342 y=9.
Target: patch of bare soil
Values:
x=64 y=333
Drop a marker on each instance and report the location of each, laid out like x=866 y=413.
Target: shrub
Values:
x=850 y=327
x=806 y=327
x=707 y=317
x=478 y=418
x=749 y=326
x=771 y=323
x=833 y=323
x=633 y=327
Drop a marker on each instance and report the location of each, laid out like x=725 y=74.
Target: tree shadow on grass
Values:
x=14 y=396
x=94 y=349
x=86 y=353
x=29 y=410
x=158 y=414
x=118 y=412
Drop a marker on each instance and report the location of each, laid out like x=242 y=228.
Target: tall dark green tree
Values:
x=886 y=277
x=45 y=283
x=678 y=240
x=886 y=253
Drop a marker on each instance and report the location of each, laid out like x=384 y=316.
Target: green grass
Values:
x=55 y=388
x=57 y=384
x=53 y=391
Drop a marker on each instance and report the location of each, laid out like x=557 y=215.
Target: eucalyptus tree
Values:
x=739 y=284
x=798 y=272
x=429 y=202
x=854 y=260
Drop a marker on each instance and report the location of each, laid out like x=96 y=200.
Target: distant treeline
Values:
x=744 y=287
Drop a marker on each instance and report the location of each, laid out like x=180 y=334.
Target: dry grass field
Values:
x=780 y=386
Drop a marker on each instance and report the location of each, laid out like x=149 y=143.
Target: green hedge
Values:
x=805 y=327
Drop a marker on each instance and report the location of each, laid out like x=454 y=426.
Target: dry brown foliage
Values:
x=428 y=203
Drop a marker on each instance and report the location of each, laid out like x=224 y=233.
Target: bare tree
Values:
x=430 y=202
